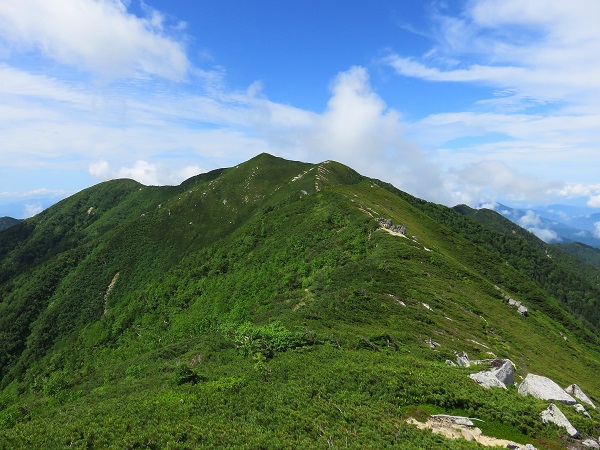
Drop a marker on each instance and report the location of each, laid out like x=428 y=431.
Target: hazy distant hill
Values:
x=559 y=225
x=7 y=222
x=280 y=304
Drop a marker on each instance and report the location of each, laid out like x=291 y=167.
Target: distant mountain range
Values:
x=556 y=223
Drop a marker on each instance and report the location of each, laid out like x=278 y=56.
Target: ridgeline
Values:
x=281 y=304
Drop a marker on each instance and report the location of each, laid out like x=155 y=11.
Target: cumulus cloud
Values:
x=144 y=172
x=530 y=219
x=592 y=191
x=358 y=129
x=488 y=180
x=532 y=222
x=596 y=231
x=31 y=209
x=97 y=36
x=545 y=234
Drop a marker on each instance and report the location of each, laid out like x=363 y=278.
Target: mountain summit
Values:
x=282 y=304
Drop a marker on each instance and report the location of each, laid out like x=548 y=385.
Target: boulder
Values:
x=581 y=410
x=555 y=415
x=591 y=443
x=487 y=379
x=501 y=373
x=545 y=389
x=576 y=392
x=523 y=310
x=504 y=370
x=462 y=359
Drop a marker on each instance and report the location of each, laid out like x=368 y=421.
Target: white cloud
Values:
x=594 y=201
x=491 y=205
x=529 y=220
x=147 y=173
x=532 y=222
x=31 y=209
x=545 y=234
x=592 y=191
x=596 y=231
x=546 y=54
x=358 y=129
x=539 y=59
x=45 y=192
x=97 y=36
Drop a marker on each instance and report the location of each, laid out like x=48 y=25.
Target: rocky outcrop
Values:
x=500 y=374
x=523 y=310
x=457 y=427
x=387 y=224
x=554 y=415
x=545 y=389
x=578 y=393
x=591 y=443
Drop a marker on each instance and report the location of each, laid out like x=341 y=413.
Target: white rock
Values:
x=591 y=443
x=462 y=359
x=545 y=389
x=504 y=370
x=581 y=410
x=487 y=379
x=555 y=415
x=578 y=393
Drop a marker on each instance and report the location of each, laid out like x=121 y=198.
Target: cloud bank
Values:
x=98 y=36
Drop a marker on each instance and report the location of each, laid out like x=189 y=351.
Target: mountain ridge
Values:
x=235 y=286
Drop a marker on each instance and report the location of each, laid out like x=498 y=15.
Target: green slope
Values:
x=7 y=222
x=569 y=279
x=263 y=306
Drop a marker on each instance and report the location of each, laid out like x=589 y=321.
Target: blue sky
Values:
x=474 y=101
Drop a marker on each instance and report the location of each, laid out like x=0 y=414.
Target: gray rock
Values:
x=513 y=446
x=581 y=410
x=529 y=447
x=432 y=343
x=576 y=392
x=554 y=415
x=591 y=443
x=487 y=379
x=462 y=359
x=450 y=363
x=523 y=310
x=545 y=389
x=504 y=370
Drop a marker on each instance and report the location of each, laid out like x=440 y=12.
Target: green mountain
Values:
x=279 y=304
x=585 y=252
x=7 y=222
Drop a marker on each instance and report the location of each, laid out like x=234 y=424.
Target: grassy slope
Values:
x=331 y=357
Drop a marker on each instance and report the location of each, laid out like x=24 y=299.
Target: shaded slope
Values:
x=7 y=222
